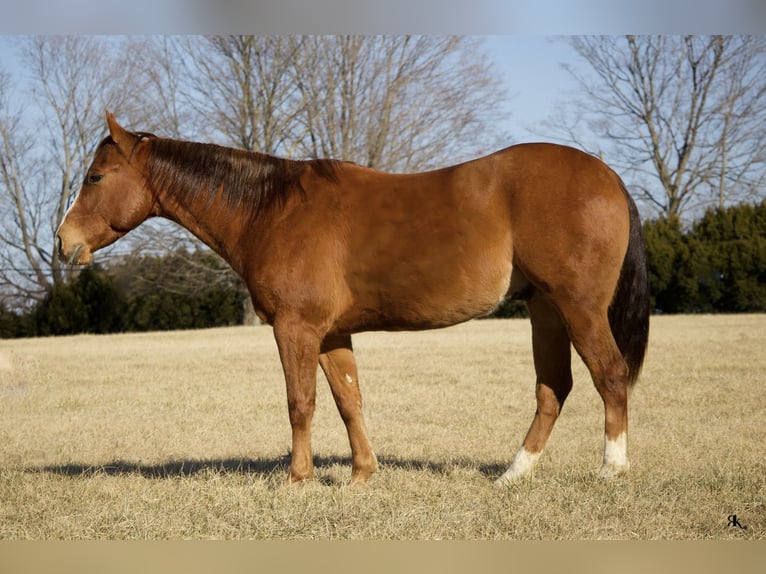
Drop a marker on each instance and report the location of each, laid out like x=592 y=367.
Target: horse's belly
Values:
x=417 y=298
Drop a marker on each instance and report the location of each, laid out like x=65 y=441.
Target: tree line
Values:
x=156 y=292
x=717 y=265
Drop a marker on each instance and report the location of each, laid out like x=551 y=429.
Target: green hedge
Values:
x=718 y=265
x=152 y=294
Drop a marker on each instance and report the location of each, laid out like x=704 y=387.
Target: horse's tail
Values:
x=629 y=311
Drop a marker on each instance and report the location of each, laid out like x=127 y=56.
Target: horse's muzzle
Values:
x=72 y=258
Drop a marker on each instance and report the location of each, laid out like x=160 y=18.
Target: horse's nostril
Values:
x=60 y=246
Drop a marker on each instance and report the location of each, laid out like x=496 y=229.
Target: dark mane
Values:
x=251 y=181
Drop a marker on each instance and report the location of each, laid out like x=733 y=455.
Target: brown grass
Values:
x=185 y=435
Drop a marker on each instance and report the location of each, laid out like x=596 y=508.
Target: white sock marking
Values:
x=615 y=456
x=521 y=465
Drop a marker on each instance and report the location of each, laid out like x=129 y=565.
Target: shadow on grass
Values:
x=173 y=468
x=261 y=467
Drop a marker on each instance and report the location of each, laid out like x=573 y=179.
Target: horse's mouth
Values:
x=75 y=256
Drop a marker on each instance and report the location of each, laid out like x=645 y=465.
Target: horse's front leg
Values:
x=298 y=345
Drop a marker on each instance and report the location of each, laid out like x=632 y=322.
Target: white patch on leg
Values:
x=615 y=456
x=521 y=465
x=349 y=379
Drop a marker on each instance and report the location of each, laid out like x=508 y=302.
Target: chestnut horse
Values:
x=329 y=248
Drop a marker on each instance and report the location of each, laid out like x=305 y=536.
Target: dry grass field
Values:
x=185 y=435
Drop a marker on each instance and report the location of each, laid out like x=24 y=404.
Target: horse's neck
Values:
x=215 y=227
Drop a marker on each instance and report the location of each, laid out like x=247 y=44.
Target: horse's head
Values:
x=114 y=197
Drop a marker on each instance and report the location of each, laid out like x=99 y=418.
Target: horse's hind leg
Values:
x=337 y=361
x=552 y=356
x=592 y=338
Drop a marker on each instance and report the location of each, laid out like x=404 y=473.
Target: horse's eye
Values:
x=93 y=178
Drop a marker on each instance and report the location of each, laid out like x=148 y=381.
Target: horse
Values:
x=329 y=248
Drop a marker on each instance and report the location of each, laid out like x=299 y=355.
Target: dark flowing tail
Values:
x=629 y=311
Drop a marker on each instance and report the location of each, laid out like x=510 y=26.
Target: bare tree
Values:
x=73 y=79
x=24 y=264
x=238 y=88
x=683 y=115
x=162 y=72
x=390 y=102
x=397 y=103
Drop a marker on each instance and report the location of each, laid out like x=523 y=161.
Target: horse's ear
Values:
x=123 y=138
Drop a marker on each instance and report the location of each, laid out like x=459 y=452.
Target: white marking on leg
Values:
x=349 y=379
x=521 y=465
x=615 y=456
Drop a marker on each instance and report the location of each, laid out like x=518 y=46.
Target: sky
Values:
x=536 y=83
